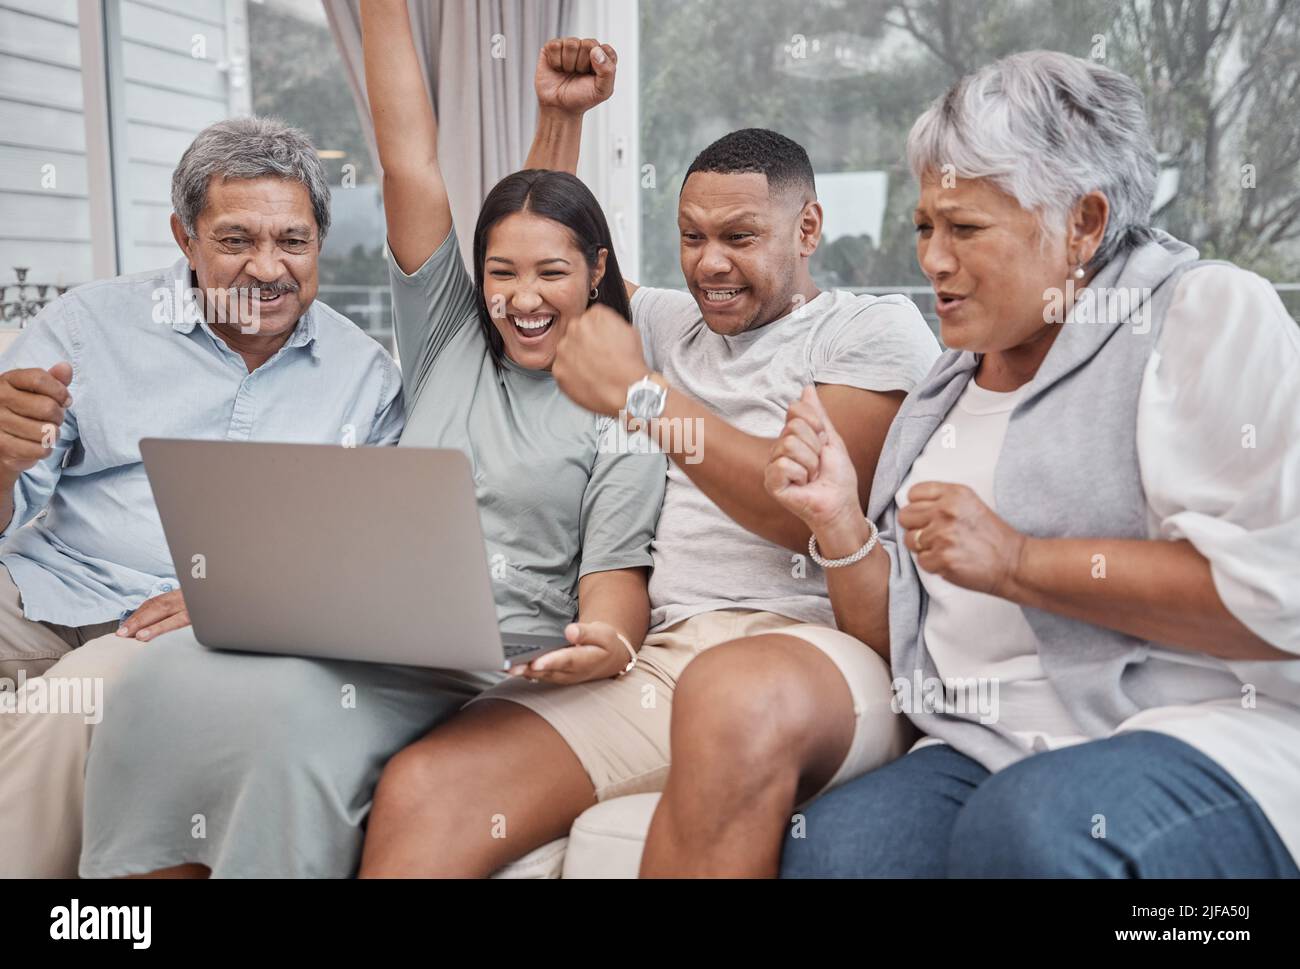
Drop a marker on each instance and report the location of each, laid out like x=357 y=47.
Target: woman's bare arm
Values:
x=416 y=206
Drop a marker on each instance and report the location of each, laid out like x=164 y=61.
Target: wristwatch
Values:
x=646 y=398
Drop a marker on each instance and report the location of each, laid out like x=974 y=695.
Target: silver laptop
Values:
x=356 y=553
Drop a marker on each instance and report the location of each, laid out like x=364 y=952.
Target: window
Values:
x=174 y=67
x=298 y=75
x=97 y=103
x=847 y=79
x=120 y=100
x=94 y=117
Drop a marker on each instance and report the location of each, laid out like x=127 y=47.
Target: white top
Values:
x=982 y=645
x=703 y=560
x=1218 y=440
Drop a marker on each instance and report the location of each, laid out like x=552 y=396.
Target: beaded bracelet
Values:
x=848 y=559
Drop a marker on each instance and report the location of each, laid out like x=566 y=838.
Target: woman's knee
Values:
x=410 y=777
x=442 y=770
x=147 y=680
x=1036 y=818
x=863 y=828
x=816 y=844
x=105 y=658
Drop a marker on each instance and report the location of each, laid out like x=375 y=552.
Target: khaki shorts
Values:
x=618 y=728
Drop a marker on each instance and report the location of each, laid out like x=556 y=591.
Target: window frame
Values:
x=610 y=160
x=107 y=140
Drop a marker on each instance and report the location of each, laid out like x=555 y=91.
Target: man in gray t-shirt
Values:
x=703 y=558
x=763 y=722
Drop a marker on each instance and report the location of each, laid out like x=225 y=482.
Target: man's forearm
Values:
x=1156 y=590
x=556 y=141
x=727 y=465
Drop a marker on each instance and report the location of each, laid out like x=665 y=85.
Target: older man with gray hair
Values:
x=227 y=343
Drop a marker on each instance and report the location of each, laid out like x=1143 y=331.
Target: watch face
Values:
x=645 y=402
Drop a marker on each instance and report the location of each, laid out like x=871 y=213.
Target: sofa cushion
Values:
x=543 y=862
x=607 y=839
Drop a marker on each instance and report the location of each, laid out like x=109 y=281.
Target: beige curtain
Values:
x=478 y=58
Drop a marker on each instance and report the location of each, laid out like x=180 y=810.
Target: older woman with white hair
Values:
x=1085 y=571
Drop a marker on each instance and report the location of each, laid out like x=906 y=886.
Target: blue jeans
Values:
x=1136 y=805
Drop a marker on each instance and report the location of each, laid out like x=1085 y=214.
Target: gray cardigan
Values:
x=1068 y=468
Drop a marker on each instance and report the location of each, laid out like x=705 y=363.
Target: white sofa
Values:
x=605 y=842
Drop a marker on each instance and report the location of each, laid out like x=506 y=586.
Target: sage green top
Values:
x=556 y=498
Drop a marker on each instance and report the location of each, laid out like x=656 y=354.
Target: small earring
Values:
x=1078 y=271
x=595 y=293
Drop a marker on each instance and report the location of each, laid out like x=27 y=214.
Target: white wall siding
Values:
x=44 y=206
x=165 y=96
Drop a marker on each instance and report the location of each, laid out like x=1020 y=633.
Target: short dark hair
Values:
x=562 y=198
x=769 y=153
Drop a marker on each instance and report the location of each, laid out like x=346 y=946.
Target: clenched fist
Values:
x=598 y=357
x=575 y=75
x=956 y=536
x=32 y=405
x=809 y=470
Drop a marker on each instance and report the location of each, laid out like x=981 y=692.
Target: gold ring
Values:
x=920 y=546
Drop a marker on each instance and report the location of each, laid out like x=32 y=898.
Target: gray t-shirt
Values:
x=555 y=505
x=703 y=560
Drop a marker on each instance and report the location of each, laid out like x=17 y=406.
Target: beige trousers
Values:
x=53 y=680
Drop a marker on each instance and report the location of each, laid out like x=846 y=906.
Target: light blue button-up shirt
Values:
x=145 y=364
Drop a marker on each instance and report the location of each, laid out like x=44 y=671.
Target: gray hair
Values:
x=1047 y=128
x=248 y=148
